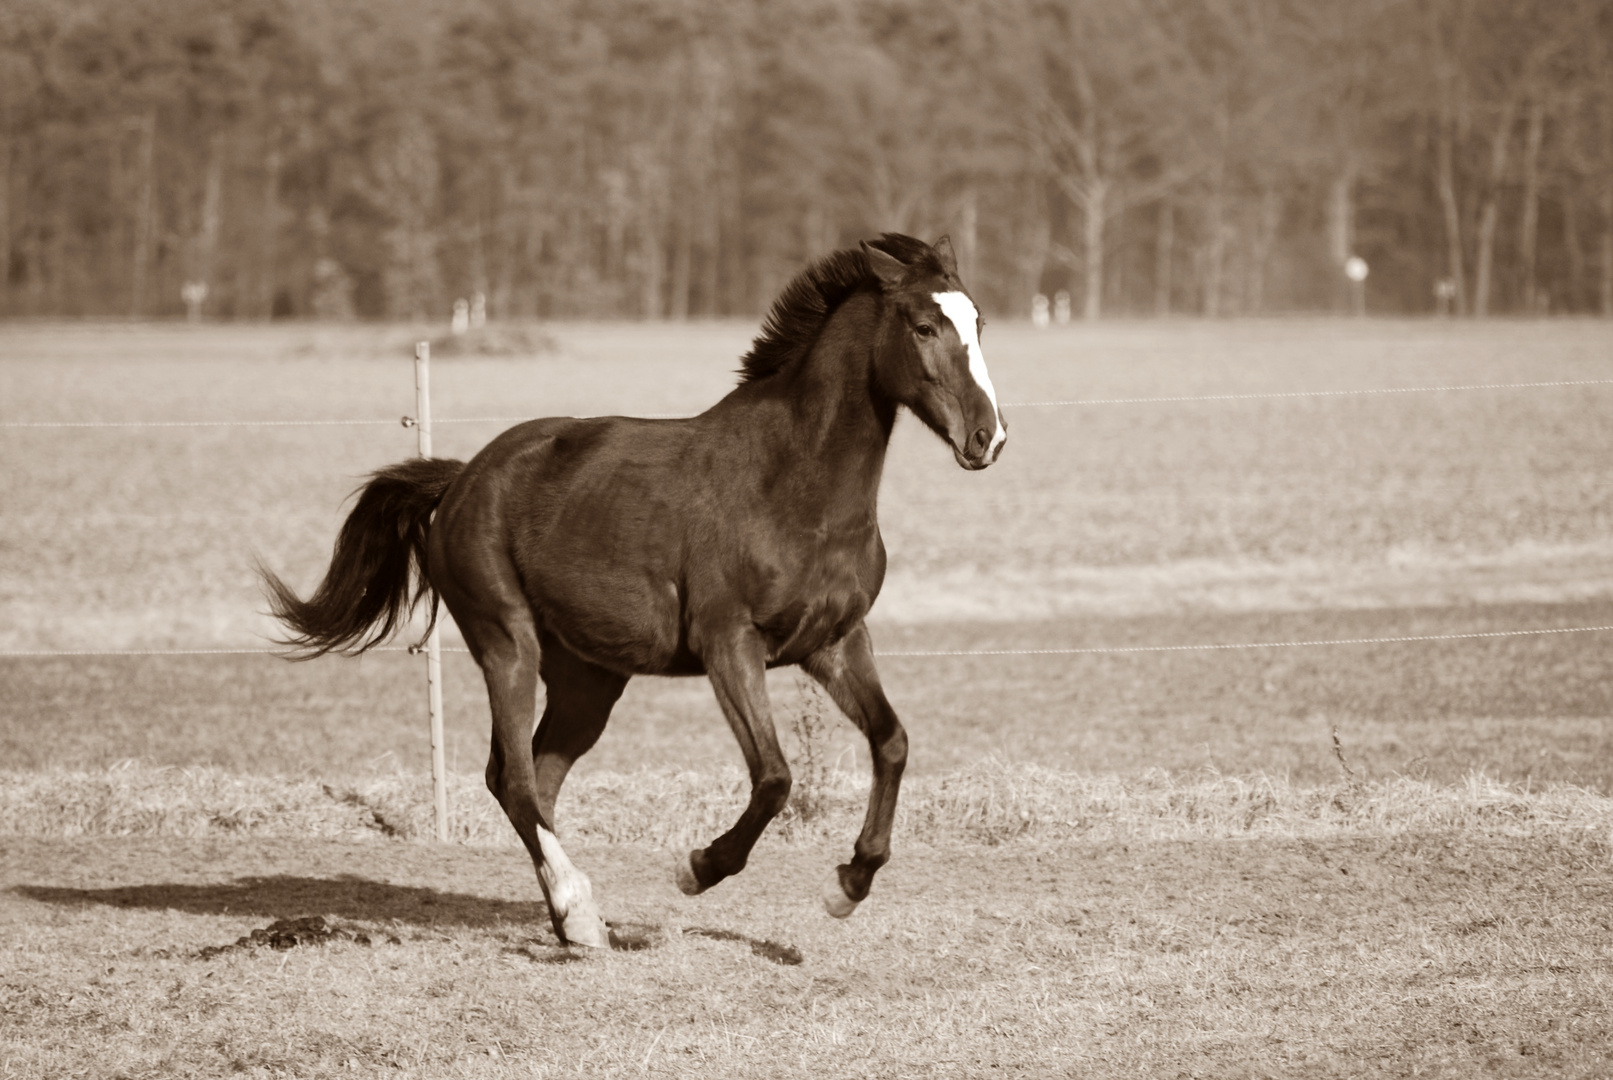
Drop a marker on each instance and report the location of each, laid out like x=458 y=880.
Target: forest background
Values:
x=682 y=158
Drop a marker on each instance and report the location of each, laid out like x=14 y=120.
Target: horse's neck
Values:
x=839 y=424
x=841 y=417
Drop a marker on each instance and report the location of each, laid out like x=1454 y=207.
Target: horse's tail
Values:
x=365 y=595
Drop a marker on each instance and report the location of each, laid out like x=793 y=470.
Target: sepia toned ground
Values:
x=1294 y=914
x=1440 y=956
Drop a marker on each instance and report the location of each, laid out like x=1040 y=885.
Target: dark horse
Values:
x=588 y=551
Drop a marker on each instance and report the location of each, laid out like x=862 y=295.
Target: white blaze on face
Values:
x=966 y=320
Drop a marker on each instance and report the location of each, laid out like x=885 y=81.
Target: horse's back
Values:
x=635 y=541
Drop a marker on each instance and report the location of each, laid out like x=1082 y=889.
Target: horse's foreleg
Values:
x=737 y=668
x=846 y=670
x=508 y=653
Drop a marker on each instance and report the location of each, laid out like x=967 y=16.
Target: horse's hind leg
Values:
x=506 y=646
x=580 y=698
x=846 y=670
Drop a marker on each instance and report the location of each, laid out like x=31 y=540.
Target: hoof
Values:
x=835 y=900
x=584 y=926
x=683 y=874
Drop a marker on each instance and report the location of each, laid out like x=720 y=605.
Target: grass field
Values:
x=1446 y=956
x=1530 y=710
x=123 y=537
x=1033 y=924
x=1110 y=864
x=1136 y=524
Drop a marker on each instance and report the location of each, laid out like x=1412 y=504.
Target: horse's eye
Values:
x=924 y=330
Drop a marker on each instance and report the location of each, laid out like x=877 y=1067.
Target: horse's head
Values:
x=929 y=356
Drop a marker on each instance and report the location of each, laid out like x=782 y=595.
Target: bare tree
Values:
x=1238 y=89
x=1350 y=63
x=1094 y=82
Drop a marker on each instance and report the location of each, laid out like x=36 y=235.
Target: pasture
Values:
x=1152 y=863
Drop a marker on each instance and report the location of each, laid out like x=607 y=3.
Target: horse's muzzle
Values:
x=979 y=452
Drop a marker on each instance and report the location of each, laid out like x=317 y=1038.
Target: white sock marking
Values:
x=957 y=307
x=566 y=884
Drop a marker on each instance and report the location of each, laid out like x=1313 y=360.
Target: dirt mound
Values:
x=285 y=934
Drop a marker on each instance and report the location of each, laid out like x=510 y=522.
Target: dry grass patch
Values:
x=1442 y=954
x=990 y=803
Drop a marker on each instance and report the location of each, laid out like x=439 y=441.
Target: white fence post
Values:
x=439 y=769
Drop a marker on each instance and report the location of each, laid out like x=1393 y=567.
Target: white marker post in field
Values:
x=439 y=778
x=1355 y=268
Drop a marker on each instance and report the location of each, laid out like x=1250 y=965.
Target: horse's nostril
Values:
x=979 y=441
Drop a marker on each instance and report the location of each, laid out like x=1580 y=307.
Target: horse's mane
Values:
x=801 y=310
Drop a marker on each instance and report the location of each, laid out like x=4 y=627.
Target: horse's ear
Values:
x=949 y=262
x=888 y=268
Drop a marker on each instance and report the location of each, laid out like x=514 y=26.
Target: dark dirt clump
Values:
x=285 y=934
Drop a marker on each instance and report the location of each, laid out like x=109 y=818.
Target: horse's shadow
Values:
x=351 y=897
x=345 y=896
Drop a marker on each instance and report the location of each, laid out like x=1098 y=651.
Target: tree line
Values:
x=682 y=158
